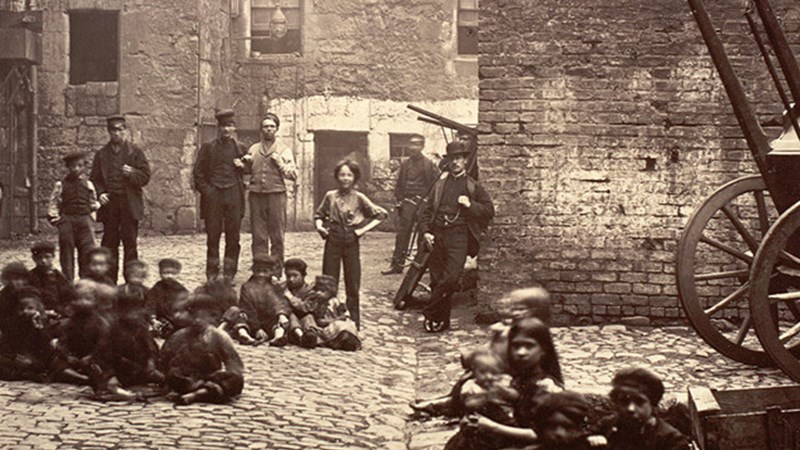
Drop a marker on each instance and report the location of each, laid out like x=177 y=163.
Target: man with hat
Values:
x=119 y=172
x=71 y=209
x=636 y=393
x=269 y=167
x=457 y=213
x=218 y=176
x=416 y=175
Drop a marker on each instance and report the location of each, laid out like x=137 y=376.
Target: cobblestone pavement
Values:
x=320 y=399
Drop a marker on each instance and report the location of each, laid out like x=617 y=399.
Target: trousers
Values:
x=74 y=232
x=342 y=251
x=268 y=224
x=446 y=263
x=224 y=214
x=120 y=226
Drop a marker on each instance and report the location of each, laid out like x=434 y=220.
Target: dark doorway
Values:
x=330 y=147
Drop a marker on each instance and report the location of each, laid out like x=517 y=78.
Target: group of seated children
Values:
x=511 y=396
x=95 y=333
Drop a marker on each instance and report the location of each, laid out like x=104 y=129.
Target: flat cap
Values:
x=73 y=156
x=42 y=247
x=417 y=138
x=115 y=118
x=224 y=116
x=169 y=263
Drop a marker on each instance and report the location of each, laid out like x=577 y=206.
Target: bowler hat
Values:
x=456 y=148
x=224 y=116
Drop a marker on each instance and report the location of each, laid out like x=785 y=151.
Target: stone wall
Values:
x=607 y=125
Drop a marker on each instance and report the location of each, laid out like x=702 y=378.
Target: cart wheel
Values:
x=775 y=292
x=715 y=252
x=411 y=280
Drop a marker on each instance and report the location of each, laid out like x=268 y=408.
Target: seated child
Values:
x=336 y=329
x=561 y=423
x=164 y=295
x=56 y=291
x=636 y=393
x=99 y=269
x=266 y=310
x=199 y=360
x=14 y=277
x=489 y=391
x=135 y=274
x=222 y=292
x=25 y=350
x=296 y=290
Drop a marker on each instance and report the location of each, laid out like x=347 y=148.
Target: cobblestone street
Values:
x=321 y=399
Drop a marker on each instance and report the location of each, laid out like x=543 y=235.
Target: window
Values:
x=93 y=46
x=467 y=27
x=398 y=145
x=263 y=41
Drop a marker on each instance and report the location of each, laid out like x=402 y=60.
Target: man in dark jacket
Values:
x=218 y=177
x=417 y=174
x=457 y=213
x=119 y=172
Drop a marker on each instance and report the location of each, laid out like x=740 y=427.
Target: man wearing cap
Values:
x=269 y=167
x=71 y=209
x=119 y=172
x=457 y=213
x=218 y=176
x=417 y=174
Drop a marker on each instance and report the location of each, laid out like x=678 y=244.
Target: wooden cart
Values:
x=746 y=419
x=738 y=262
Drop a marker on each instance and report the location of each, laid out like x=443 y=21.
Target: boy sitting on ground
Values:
x=134 y=290
x=164 y=295
x=14 y=277
x=199 y=360
x=636 y=394
x=336 y=329
x=305 y=332
x=264 y=305
x=99 y=269
x=56 y=291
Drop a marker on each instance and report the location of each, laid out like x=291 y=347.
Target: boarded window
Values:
x=467 y=27
x=93 y=46
x=398 y=145
x=263 y=39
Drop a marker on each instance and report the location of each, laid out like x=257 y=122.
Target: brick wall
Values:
x=607 y=125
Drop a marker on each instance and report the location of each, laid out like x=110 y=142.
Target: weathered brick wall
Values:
x=607 y=125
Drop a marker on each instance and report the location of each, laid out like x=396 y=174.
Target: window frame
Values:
x=73 y=79
x=406 y=137
x=254 y=5
x=472 y=8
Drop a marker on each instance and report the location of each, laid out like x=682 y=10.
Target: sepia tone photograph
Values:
x=400 y=224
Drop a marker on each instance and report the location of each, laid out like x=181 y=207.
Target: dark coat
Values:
x=132 y=184
x=658 y=436
x=478 y=215
x=202 y=173
x=56 y=291
x=263 y=303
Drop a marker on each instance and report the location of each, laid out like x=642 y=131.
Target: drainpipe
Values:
x=199 y=109
x=33 y=139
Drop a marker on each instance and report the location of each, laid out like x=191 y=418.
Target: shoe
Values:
x=279 y=342
x=394 y=270
x=433 y=326
x=427 y=325
x=309 y=340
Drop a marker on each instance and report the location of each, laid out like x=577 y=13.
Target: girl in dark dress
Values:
x=533 y=362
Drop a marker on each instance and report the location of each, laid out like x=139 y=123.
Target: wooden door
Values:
x=330 y=147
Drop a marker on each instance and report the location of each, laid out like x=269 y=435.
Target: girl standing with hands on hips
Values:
x=345 y=215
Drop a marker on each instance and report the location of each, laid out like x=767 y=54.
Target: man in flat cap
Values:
x=417 y=174
x=270 y=167
x=119 y=172
x=452 y=222
x=218 y=176
x=73 y=203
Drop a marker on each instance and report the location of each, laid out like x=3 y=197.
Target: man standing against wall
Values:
x=270 y=167
x=457 y=213
x=119 y=172
x=417 y=174
x=218 y=177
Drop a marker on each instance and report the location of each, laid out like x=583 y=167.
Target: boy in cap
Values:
x=417 y=174
x=72 y=206
x=263 y=303
x=218 y=176
x=560 y=421
x=456 y=215
x=269 y=167
x=164 y=295
x=56 y=291
x=636 y=393
x=119 y=172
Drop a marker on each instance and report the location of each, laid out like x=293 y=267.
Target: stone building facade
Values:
x=340 y=79
x=607 y=125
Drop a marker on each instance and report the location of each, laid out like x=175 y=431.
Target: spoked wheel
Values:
x=775 y=292
x=411 y=280
x=713 y=268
